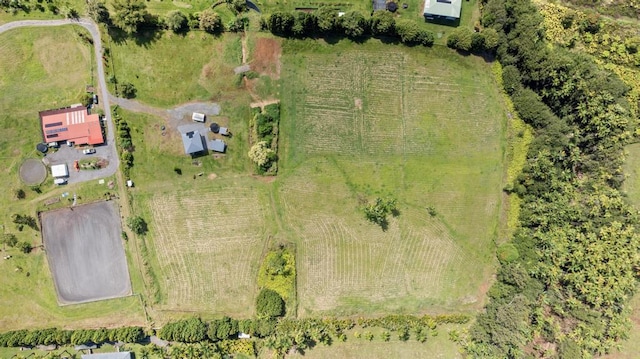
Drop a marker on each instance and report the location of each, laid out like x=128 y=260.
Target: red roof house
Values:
x=71 y=124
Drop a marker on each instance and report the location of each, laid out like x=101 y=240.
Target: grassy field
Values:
x=439 y=347
x=42 y=69
x=423 y=126
x=169 y=69
x=208 y=223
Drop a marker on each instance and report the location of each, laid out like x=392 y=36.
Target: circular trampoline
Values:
x=33 y=172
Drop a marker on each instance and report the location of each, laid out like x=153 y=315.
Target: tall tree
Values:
x=129 y=14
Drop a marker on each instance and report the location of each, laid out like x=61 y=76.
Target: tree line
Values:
x=353 y=24
x=132 y=15
x=565 y=293
x=23 y=338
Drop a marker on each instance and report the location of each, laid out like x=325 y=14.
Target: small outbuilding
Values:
x=58 y=171
x=198 y=117
x=447 y=10
x=224 y=131
x=217 y=146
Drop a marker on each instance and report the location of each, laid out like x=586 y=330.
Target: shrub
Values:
x=128 y=90
x=176 y=21
x=210 y=22
x=507 y=252
x=269 y=304
x=138 y=225
x=24 y=247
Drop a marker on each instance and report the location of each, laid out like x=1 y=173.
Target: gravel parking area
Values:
x=85 y=253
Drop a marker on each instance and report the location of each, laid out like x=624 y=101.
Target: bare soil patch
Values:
x=266 y=57
x=358 y=103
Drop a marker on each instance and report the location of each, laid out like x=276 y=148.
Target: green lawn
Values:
x=169 y=69
x=424 y=126
x=42 y=69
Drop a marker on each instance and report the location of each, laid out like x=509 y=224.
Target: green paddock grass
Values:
x=632 y=172
x=425 y=126
x=42 y=69
x=168 y=69
x=439 y=346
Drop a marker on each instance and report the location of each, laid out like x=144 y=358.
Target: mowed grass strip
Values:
x=169 y=69
x=208 y=242
x=42 y=68
x=423 y=126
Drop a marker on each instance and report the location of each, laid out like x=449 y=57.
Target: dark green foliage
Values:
x=24 y=247
x=25 y=220
x=225 y=328
x=383 y=24
x=461 y=38
x=97 y=11
x=411 y=34
x=129 y=14
x=591 y=23
x=176 y=21
x=127 y=90
x=377 y=211
x=269 y=304
x=210 y=22
x=239 y=24
x=353 y=24
x=327 y=20
x=69 y=337
x=304 y=24
x=9 y=239
x=191 y=330
x=20 y=194
x=138 y=225
x=281 y=23
x=511 y=79
x=577 y=250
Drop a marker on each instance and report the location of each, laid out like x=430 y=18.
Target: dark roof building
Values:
x=71 y=124
x=448 y=10
x=379 y=5
x=192 y=142
x=217 y=145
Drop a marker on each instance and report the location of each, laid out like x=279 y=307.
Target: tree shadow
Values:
x=145 y=36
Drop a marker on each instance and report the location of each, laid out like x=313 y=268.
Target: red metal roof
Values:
x=71 y=124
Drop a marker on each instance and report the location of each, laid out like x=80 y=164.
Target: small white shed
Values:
x=60 y=170
x=198 y=117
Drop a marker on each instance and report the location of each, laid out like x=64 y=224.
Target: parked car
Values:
x=89 y=151
x=60 y=181
x=70 y=143
x=95 y=99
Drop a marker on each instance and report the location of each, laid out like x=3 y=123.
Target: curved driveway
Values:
x=88 y=24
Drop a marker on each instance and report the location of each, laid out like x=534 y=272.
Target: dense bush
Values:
x=66 y=337
x=569 y=285
x=210 y=22
x=191 y=330
x=353 y=24
x=138 y=225
x=269 y=304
